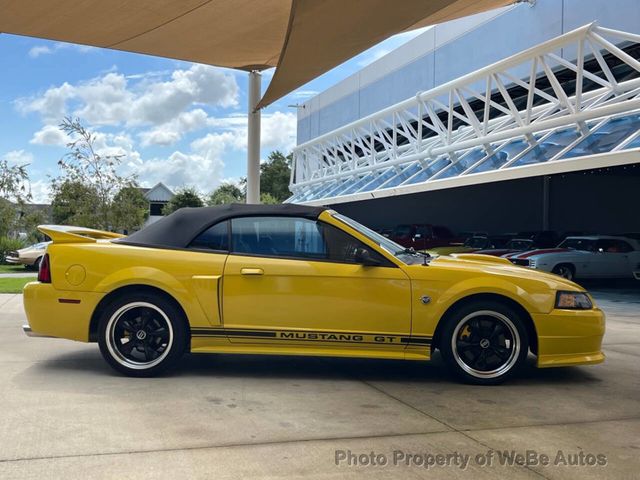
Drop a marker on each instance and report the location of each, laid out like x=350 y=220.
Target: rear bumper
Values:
x=30 y=333
x=50 y=315
x=570 y=337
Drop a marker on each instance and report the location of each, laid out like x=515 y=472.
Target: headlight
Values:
x=573 y=301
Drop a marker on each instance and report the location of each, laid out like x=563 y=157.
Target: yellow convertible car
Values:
x=297 y=280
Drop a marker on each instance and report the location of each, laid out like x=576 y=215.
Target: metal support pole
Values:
x=253 y=140
x=545 y=202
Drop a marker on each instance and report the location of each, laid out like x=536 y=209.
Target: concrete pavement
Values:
x=65 y=414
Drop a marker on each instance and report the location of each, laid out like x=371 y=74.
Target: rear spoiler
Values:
x=69 y=234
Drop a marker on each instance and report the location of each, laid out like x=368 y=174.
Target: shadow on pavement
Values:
x=198 y=366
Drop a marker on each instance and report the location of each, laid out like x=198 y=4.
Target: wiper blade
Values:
x=411 y=251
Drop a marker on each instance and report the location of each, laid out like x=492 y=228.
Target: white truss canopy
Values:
x=535 y=113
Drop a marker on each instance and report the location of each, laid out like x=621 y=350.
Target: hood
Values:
x=485 y=264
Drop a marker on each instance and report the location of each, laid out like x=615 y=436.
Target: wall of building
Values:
x=448 y=51
x=596 y=201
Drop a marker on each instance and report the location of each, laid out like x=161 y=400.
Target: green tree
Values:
x=90 y=192
x=225 y=194
x=275 y=174
x=14 y=193
x=268 y=199
x=75 y=203
x=85 y=165
x=129 y=209
x=184 y=197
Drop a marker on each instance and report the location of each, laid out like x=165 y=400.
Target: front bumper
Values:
x=50 y=315
x=570 y=337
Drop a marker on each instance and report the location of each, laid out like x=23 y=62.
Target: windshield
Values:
x=401 y=253
x=476 y=242
x=579 y=244
x=520 y=244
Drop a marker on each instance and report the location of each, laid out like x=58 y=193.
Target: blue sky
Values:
x=175 y=122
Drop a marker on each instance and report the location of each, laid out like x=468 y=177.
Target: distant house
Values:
x=158 y=196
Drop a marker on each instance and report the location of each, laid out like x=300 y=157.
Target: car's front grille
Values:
x=524 y=262
x=13 y=254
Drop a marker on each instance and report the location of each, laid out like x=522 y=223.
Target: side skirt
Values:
x=307 y=343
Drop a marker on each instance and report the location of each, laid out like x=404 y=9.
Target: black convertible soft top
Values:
x=182 y=226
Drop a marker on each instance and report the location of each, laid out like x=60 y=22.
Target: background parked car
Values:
x=470 y=245
x=542 y=239
x=29 y=256
x=423 y=236
x=513 y=246
x=596 y=256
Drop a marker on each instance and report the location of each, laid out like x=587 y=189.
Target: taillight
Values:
x=44 y=272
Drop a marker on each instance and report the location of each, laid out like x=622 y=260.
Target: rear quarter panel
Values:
x=192 y=278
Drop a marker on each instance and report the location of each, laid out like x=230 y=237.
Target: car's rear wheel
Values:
x=564 y=270
x=142 y=335
x=484 y=342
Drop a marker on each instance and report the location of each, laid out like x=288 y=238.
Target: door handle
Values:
x=251 y=271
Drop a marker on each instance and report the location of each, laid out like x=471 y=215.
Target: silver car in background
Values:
x=594 y=256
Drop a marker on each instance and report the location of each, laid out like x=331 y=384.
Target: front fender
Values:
x=444 y=295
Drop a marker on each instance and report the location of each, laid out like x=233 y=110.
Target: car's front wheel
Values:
x=142 y=335
x=484 y=342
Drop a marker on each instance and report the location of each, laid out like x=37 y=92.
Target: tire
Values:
x=484 y=342
x=565 y=270
x=142 y=335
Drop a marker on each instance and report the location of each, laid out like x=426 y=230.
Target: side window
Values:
x=213 y=238
x=291 y=237
x=623 y=247
x=607 y=246
x=342 y=247
x=278 y=236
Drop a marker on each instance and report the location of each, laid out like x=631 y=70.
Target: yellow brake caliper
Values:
x=465 y=333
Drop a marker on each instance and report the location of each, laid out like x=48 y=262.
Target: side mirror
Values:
x=363 y=257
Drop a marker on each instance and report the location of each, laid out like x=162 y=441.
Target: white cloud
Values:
x=39 y=50
x=278 y=129
x=50 y=135
x=112 y=100
x=40 y=191
x=18 y=157
x=52 y=105
x=172 y=131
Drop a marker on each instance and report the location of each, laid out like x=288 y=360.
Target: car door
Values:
x=297 y=281
x=610 y=259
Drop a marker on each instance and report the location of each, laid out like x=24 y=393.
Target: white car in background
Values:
x=596 y=256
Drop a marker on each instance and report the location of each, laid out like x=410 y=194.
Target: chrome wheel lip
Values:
x=507 y=365
x=110 y=337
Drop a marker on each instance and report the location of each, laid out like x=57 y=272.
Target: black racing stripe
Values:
x=232 y=333
x=243 y=331
x=332 y=341
x=417 y=340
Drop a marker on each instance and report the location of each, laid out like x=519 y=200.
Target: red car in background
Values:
x=423 y=236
